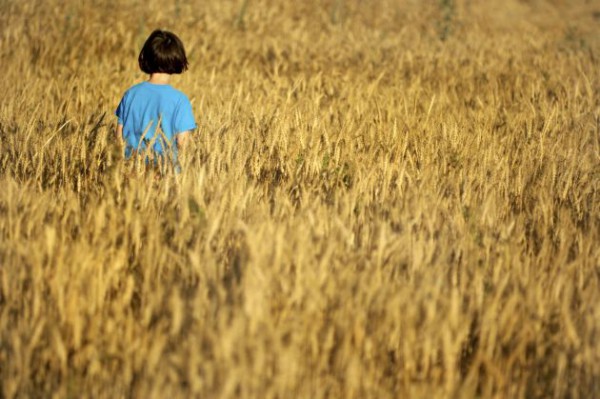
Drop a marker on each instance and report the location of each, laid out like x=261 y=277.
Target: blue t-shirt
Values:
x=140 y=110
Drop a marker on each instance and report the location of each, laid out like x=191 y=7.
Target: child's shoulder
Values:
x=159 y=88
x=145 y=90
x=136 y=87
x=178 y=92
x=132 y=90
x=178 y=96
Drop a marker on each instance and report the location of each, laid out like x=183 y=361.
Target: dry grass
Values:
x=384 y=199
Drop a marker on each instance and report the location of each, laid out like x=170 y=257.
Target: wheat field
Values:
x=384 y=199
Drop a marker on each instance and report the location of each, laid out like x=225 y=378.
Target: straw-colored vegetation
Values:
x=384 y=199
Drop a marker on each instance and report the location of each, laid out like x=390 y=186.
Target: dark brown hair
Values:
x=163 y=52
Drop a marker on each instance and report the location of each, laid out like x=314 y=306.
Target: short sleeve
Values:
x=184 y=117
x=120 y=112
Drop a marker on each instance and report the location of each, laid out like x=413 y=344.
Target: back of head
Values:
x=163 y=52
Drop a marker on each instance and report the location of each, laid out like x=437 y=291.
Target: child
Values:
x=147 y=103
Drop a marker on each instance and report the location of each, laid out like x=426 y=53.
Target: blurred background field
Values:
x=384 y=199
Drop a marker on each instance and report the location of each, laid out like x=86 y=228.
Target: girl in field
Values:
x=154 y=118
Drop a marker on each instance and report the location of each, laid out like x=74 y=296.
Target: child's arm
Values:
x=182 y=139
x=119 y=134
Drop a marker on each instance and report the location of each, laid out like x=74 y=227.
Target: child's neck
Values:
x=159 y=78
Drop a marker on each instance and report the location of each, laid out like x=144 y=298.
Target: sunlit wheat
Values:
x=384 y=199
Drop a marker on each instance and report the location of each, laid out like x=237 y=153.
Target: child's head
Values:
x=163 y=52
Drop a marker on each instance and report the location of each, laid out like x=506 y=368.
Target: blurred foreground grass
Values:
x=384 y=199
